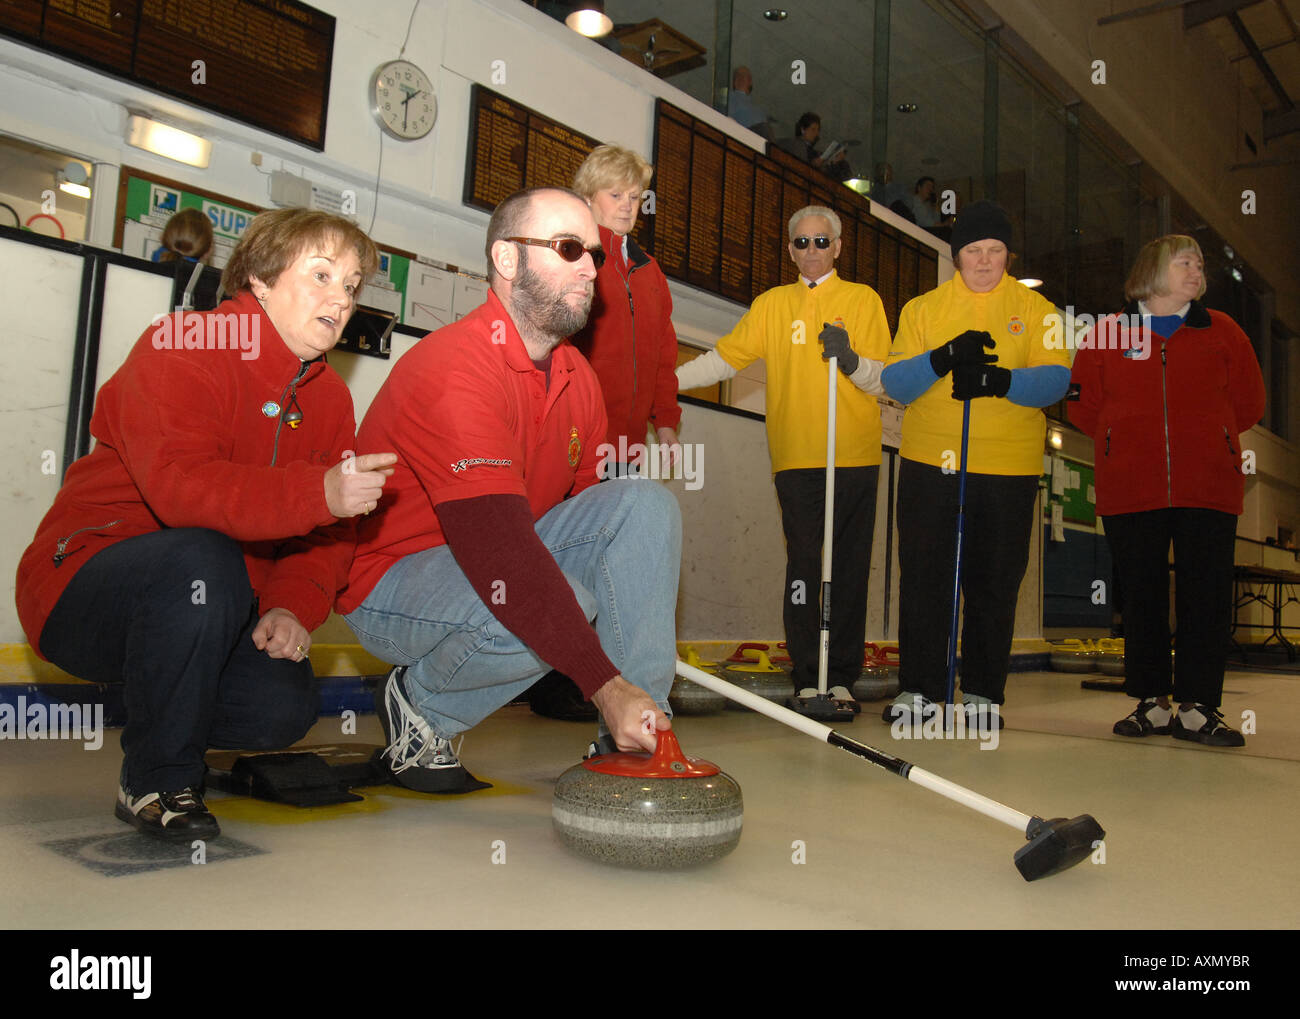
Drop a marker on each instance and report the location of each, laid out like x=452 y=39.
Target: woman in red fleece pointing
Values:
x=191 y=553
x=1165 y=390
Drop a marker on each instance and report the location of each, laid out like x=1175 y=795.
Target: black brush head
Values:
x=1057 y=845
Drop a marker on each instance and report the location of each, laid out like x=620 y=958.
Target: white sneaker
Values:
x=420 y=759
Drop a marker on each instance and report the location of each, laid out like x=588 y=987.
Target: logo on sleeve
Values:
x=575 y=446
x=1015 y=326
x=480 y=461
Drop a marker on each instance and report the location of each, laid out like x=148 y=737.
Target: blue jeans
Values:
x=620 y=546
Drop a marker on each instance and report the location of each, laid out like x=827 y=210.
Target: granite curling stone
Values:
x=1074 y=655
x=761 y=677
x=687 y=698
x=655 y=811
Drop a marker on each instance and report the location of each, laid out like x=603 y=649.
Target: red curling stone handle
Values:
x=667 y=761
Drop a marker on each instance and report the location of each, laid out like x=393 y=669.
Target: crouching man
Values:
x=497 y=549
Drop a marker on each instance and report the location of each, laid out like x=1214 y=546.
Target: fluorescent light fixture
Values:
x=1030 y=282
x=590 y=20
x=170 y=142
x=80 y=190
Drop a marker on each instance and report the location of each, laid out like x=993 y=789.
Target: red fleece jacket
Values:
x=1166 y=427
x=630 y=341
x=182 y=441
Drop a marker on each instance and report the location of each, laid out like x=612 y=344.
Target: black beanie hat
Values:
x=978 y=222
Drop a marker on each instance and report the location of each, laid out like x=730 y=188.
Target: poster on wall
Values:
x=148 y=202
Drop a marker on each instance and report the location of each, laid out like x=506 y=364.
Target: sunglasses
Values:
x=566 y=247
x=821 y=240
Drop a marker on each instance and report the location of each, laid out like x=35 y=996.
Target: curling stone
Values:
x=761 y=677
x=875 y=683
x=654 y=811
x=887 y=655
x=1074 y=655
x=1110 y=657
x=687 y=698
x=741 y=652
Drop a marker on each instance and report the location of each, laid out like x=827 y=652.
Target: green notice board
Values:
x=1071 y=484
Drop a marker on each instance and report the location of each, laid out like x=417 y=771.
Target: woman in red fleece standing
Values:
x=630 y=342
x=191 y=553
x=1165 y=390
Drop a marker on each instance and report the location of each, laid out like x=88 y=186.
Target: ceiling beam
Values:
x=1278 y=123
x=1141 y=12
x=1200 y=11
x=1261 y=62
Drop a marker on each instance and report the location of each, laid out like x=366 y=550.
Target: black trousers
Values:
x=1203 y=543
x=802 y=494
x=193 y=679
x=995 y=552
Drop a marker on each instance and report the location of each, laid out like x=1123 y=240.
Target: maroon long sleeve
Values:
x=493 y=541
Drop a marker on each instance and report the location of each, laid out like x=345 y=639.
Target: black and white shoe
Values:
x=176 y=816
x=420 y=759
x=1147 y=719
x=912 y=709
x=1204 y=724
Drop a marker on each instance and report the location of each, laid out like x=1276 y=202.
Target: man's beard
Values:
x=545 y=311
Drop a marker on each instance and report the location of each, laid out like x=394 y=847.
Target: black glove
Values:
x=835 y=343
x=968 y=348
x=971 y=381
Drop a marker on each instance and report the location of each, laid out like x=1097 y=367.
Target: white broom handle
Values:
x=828 y=530
x=824 y=733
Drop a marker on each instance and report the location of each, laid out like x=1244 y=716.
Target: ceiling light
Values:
x=589 y=19
x=145 y=133
x=79 y=190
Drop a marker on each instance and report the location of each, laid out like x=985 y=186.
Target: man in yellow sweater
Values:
x=795 y=329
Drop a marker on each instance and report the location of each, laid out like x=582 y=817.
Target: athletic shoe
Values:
x=910 y=708
x=843 y=698
x=1147 y=719
x=980 y=712
x=1204 y=724
x=600 y=746
x=420 y=759
x=180 y=815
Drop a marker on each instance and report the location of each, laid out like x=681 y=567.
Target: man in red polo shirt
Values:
x=495 y=550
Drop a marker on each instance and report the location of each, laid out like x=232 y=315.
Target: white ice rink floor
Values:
x=1196 y=837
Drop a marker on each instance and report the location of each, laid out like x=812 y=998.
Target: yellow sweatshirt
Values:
x=1005 y=438
x=781 y=327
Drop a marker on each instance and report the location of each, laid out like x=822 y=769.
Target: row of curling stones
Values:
x=1075 y=655
x=879 y=678
x=652 y=811
x=687 y=698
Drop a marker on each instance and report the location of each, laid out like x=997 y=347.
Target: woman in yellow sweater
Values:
x=988 y=333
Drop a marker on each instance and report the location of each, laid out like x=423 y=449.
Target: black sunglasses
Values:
x=567 y=248
x=821 y=240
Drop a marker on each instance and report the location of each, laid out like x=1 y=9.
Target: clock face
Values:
x=402 y=100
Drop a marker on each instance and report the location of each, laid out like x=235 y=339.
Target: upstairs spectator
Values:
x=742 y=108
x=807 y=130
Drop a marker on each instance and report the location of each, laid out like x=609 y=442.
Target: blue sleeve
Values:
x=1038 y=387
x=904 y=381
